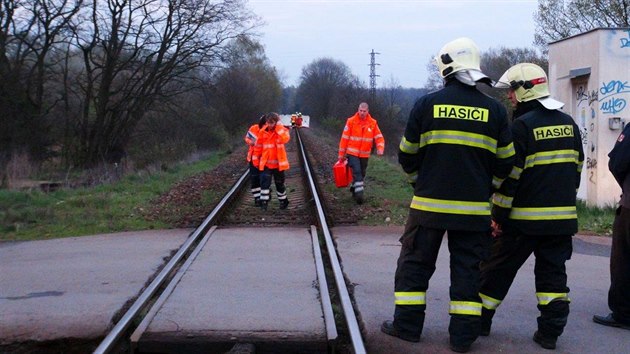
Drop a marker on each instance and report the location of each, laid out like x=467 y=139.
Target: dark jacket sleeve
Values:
x=502 y=199
x=619 y=162
x=409 y=146
x=505 y=153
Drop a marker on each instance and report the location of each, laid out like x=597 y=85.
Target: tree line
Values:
x=87 y=82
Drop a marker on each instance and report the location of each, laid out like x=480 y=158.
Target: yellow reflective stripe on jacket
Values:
x=502 y=200
x=496 y=182
x=546 y=298
x=458 y=138
x=465 y=308
x=408 y=147
x=410 y=298
x=450 y=206
x=516 y=173
x=550 y=157
x=580 y=164
x=489 y=302
x=549 y=213
x=506 y=151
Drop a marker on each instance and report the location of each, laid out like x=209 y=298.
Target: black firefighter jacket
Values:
x=619 y=165
x=456 y=149
x=538 y=197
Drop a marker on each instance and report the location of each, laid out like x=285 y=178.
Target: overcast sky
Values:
x=407 y=34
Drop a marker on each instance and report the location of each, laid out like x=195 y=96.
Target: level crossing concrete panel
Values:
x=72 y=287
x=253 y=285
x=369 y=256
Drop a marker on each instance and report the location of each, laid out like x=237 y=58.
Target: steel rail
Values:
x=114 y=335
x=344 y=296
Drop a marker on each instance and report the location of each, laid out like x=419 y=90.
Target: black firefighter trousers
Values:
x=509 y=252
x=619 y=292
x=416 y=265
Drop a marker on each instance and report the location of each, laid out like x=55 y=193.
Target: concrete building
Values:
x=590 y=73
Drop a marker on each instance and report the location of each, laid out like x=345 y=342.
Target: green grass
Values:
x=387 y=188
x=120 y=206
x=387 y=195
x=30 y=215
x=388 y=181
x=594 y=220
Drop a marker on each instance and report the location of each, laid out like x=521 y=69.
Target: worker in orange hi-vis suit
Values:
x=273 y=160
x=356 y=143
x=254 y=174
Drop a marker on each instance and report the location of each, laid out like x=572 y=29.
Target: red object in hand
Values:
x=342 y=174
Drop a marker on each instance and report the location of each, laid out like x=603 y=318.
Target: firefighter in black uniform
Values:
x=619 y=291
x=455 y=148
x=534 y=210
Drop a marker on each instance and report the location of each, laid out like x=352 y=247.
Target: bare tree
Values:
x=248 y=87
x=557 y=19
x=328 y=89
x=434 y=80
x=388 y=110
x=138 y=52
x=31 y=34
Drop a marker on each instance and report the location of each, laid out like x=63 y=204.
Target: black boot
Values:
x=257 y=201
x=358 y=197
x=284 y=203
x=547 y=342
x=387 y=327
x=263 y=204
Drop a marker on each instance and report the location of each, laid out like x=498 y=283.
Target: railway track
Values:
x=236 y=210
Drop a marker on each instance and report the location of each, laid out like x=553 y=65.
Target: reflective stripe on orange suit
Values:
x=250 y=139
x=272 y=153
x=359 y=135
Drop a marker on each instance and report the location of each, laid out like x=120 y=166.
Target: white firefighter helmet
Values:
x=529 y=82
x=460 y=54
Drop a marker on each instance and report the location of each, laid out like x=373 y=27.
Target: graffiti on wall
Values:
x=612 y=101
x=587 y=102
x=625 y=42
x=584 y=100
x=582 y=95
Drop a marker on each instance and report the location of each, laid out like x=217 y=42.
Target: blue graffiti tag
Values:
x=614 y=87
x=610 y=104
x=625 y=42
x=613 y=105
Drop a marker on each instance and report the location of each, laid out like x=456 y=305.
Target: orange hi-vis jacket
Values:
x=270 y=148
x=359 y=135
x=250 y=139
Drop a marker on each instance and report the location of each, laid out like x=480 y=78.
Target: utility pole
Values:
x=373 y=75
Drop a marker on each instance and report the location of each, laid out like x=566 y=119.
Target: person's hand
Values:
x=379 y=152
x=341 y=159
x=496 y=229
